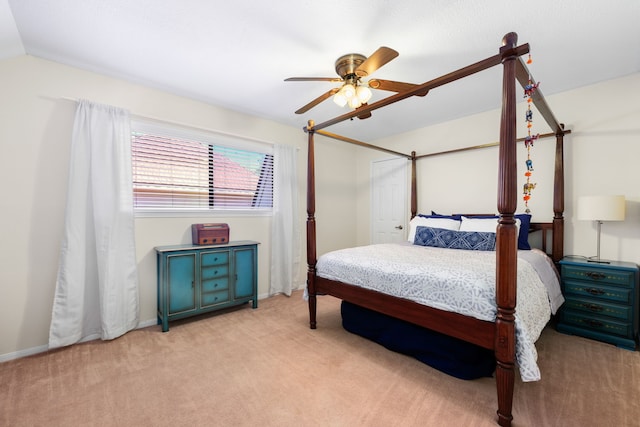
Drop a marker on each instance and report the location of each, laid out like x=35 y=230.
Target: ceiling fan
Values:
x=354 y=92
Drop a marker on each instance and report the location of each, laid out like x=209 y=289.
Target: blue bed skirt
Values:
x=447 y=354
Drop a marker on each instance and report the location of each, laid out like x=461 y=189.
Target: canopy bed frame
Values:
x=498 y=336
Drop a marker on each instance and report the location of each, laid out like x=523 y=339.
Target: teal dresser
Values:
x=601 y=301
x=196 y=279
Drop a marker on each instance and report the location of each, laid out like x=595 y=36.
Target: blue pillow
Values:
x=452 y=239
x=523 y=233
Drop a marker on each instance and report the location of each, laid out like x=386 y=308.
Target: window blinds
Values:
x=172 y=173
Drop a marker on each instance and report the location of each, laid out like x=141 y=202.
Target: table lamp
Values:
x=599 y=209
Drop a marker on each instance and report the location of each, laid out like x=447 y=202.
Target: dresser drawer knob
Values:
x=596 y=275
x=594 y=291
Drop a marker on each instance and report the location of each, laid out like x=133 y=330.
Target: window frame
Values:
x=206 y=136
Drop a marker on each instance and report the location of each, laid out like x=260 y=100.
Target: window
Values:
x=178 y=171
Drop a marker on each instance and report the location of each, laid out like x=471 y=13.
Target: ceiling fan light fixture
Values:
x=354 y=102
x=348 y=90
x=363 y=93
x=340 y=99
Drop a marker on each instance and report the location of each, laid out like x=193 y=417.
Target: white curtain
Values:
x=97 y=285
x=285 y=230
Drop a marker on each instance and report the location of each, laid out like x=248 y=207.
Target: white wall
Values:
x=35 y=134
x=601 y=157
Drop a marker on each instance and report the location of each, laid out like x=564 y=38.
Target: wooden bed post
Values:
x=414 y=185
x=311 y=227
x=558 y=200
x=506 y=247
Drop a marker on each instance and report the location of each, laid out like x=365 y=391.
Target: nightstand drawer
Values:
x=623 y=295
x=595 y=306
x=600 y=275
x=596 y=323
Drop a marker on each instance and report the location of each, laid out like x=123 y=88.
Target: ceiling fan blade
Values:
x=313 y=79
x=392 y=86
x=317 y=101
x=376 y=60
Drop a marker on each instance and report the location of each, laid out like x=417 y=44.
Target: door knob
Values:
x=399 y=227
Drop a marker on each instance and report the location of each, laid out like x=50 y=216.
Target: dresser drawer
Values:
x=215 y=271
x=214 y=258
x=622 y=295
x=599 y=275
x=214 y=298
x=596 y=323
x=216 y=284
x=596 y=306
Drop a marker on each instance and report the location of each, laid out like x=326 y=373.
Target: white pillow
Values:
x=479 y=224
x=483 y=224
x=446 y=223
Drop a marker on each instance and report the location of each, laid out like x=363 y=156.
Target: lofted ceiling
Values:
x=236 y=54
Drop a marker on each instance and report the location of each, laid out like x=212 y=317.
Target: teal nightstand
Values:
x=601 y=301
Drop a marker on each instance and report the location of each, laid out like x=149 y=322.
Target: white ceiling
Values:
x=236 y=54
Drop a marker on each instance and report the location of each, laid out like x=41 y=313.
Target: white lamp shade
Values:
x=601 y=208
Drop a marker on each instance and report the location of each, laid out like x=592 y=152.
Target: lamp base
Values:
x=597 y=257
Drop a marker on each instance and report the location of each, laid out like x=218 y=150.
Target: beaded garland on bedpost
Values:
x=528 y=140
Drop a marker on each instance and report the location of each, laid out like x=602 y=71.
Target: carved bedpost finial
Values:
x=309 y=127
x=510 y=39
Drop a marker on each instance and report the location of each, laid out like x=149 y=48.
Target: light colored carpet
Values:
x=266 y=367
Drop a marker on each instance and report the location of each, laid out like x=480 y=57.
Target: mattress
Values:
x=460 y=281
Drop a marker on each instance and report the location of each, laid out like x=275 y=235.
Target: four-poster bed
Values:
x=499 y=335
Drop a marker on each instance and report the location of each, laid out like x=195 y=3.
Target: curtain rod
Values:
x=175 y=123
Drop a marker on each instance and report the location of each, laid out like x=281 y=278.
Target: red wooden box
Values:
x=209 y=234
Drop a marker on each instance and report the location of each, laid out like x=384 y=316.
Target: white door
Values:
x=389 y=200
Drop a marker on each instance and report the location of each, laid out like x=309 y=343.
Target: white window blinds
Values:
x=184 y=174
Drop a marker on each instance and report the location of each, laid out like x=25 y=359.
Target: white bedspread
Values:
x=454 y=280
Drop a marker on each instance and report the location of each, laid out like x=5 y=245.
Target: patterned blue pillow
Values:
x=452 y=239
